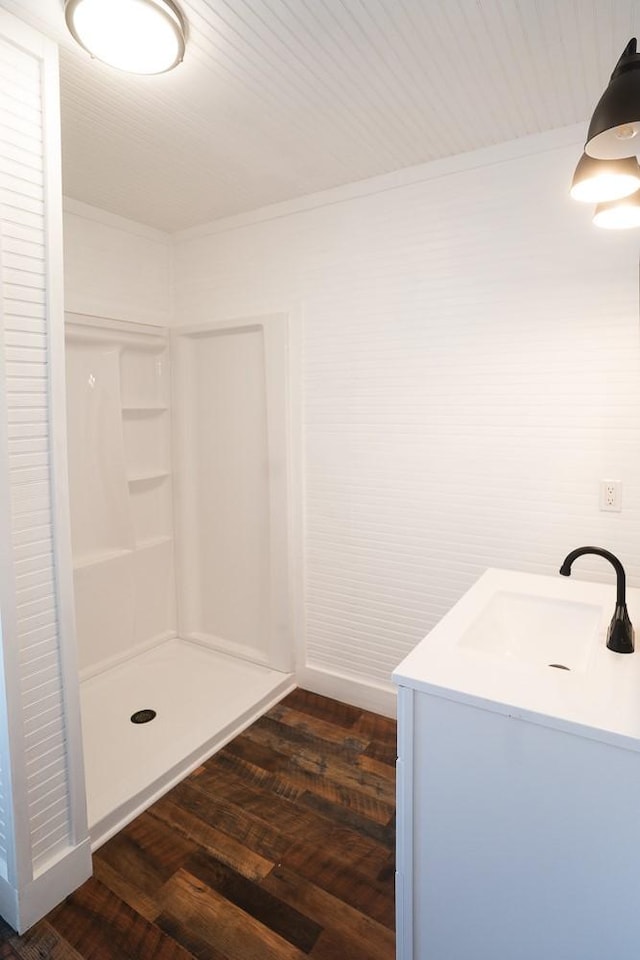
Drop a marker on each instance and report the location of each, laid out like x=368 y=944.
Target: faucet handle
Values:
x=620 y=636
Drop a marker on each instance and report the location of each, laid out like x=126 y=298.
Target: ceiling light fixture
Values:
x=138 y=36
x=614 y=131
x=597 y=181
x=620 y=214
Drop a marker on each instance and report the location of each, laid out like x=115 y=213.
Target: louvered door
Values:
x=43 y=845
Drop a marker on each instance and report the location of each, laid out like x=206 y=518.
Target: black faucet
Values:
x=620 y=632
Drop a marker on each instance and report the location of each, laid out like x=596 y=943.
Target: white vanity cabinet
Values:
x=518 y=830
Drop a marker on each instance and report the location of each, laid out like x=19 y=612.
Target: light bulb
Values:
x=597 y=181
x=605 y=187
x=625 y=132
x=620 y=215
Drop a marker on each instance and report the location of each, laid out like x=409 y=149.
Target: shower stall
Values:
x=179 y=493
x=177 y=468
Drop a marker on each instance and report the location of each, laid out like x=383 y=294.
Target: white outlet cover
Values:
x=611 y=495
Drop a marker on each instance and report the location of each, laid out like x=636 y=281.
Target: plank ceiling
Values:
x=280 y=98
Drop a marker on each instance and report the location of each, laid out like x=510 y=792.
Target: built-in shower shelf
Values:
x=99 y=556
x=145 y=476
x=121 y=498
x=152 y=542
x=142 y=409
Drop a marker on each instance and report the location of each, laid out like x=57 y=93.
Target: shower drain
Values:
x=142 y=716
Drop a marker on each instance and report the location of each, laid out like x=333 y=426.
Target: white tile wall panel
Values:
x=470 y=372
x=24 y=296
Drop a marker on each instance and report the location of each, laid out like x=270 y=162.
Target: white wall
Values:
x=470 y=372
x=115 y=268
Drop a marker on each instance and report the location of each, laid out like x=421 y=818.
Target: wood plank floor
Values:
x=280 y=847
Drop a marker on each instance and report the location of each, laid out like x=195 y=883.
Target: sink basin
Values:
x=534 y=629
x=496 y=646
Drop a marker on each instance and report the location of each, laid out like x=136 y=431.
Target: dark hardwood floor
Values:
x=281 y=846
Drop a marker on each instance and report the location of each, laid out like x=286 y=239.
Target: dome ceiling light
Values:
x=137 y=36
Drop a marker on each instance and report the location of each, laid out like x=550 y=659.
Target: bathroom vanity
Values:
x=519 y=778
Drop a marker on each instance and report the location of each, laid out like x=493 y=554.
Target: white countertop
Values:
x=600 y=700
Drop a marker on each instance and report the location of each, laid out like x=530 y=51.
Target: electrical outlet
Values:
x=611 y=495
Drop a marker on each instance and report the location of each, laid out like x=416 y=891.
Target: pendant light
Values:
x=138 y=36
x=596 y=181
x=620 y=214
x=614 y=131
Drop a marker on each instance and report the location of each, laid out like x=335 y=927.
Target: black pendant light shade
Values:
x=614 y=131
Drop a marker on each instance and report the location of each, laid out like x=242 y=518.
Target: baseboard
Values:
x=22 y=908
x=377 y=697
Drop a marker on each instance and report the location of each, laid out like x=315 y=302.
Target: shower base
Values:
x=202 y=698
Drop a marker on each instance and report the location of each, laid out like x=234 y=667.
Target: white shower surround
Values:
x=145 y=415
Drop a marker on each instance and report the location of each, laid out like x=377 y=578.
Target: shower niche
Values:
x=179 y=514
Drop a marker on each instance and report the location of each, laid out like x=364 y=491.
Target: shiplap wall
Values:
x=114 y=267
x=470 y=372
